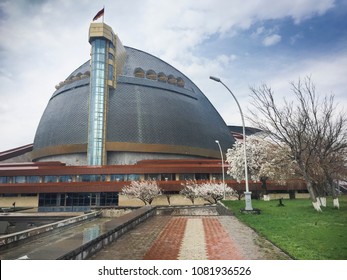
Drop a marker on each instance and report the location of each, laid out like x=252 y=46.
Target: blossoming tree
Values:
x=264 y=159
x=209 y=191
x=146 y=190
x=190 y=190
x=214 y=192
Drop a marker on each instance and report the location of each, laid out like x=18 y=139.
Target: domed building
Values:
x=154 y=112
x=124 y=115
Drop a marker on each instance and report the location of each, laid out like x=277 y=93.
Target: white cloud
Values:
x=271 y=40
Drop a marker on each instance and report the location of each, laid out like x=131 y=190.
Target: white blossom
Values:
x=143 y=190
x=190 y=190
x=209 y=191
x=213 y=192
x=264 y=159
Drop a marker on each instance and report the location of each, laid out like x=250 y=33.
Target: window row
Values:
x=73 y=78
x=160 y=77
x=78 y=199
x=109 y=178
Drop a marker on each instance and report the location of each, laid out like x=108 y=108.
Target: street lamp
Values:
x=221 y=155
x=247 y=192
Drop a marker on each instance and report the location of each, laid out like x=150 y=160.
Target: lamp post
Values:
x=247 y=192
x=221 y=155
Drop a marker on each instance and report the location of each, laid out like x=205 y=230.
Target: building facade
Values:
x=123 y=115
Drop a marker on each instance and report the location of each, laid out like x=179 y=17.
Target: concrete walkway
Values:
x=191 y=237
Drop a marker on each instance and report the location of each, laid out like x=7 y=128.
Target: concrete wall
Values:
x=21 y=201
x=223 y=210
x=117 y=227
x=26 y=235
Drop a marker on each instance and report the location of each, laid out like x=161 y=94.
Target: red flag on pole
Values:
x=99 y=14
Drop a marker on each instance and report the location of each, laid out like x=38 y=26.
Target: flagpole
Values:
x=103 y=14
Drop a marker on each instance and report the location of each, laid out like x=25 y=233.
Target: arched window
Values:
x=172 y=80
x=139 y=73
x=162 y=77
x=180 y=82
x=151 y=75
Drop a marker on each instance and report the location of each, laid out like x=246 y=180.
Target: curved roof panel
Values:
x=141 y=112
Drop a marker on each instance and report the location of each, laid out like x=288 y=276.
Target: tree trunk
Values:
x=336 y=203
x=263 y=184
x=312 y=192
x=322 y=201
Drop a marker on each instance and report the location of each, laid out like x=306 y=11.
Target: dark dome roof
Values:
x=145 y=114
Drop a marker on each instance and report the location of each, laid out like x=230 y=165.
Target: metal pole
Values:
x=221 y=154
x=247 y=192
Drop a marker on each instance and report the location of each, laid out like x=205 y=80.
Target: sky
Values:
x=246 y=43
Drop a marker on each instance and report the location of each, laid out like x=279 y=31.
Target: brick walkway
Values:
x=188 y=238
x=218 y=242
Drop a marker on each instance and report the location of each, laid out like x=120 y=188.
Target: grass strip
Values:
x=298 y=229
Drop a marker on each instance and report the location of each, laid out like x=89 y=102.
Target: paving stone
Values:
x=191 y=237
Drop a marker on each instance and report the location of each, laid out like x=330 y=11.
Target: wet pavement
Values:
x=54 y=245
x=167 y=237
x=191 y=237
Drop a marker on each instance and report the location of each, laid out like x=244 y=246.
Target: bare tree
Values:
x=312 y=129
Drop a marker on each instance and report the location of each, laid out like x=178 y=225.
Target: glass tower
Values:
x=102 y=78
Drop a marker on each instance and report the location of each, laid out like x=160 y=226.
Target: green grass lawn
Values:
x=298 y=229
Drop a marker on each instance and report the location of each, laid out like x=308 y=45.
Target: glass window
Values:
x=9 y=195
x=77 y=199
x=110 y=56
x=4 y=179
x=154 y=177
x=133 y=177
x=33 y=179
x=109 y=199
x=151 y=75
x=167 y=177
x=219 y=177
x=96 y=121
x=48 y=199
x=66 y=178
x=139 y=72
x=180 y=82
x=85 y=178
x=19 y=179
x=118 y=177
x=202 y=176
x=50 y=179
x=186 y=176
x=110 y=72
x=162 y=77
x=81 y=199
x=172 y=80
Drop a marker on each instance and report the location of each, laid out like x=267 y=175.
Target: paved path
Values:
x=191 y=237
